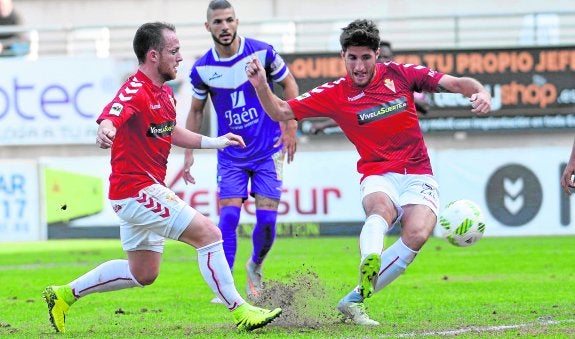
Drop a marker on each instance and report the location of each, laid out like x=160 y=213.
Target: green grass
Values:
x=526 y=286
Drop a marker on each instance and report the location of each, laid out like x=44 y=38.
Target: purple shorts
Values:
x=265 y=176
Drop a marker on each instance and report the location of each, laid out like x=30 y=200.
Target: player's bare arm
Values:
x=276 y=108
x=568 y=176
x=480 y=99
x=187 y=139
x=288 y=138
x=194 y=124
x=289 y=128
x=106 y=134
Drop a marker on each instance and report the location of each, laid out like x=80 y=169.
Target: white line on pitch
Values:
x=480 y=329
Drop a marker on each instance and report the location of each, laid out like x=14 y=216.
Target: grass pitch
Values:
x=499 y=287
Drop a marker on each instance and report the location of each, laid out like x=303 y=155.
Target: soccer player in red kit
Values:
x=139 y=125
x=374 y=106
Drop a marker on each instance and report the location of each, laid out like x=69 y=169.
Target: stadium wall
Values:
x=103 y=12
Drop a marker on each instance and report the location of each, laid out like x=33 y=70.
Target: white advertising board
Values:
x=20 y=217
x=56 y=100
x=318 y=187
x=518 y=189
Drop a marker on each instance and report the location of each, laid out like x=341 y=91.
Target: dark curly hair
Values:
x=360 y=32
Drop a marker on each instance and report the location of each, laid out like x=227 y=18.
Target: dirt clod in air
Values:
x=303 y=300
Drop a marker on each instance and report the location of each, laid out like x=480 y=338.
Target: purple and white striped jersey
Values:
x=234 y=98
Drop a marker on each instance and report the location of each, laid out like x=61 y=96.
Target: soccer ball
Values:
x=462 y=222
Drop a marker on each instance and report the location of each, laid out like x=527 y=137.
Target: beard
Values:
x=219 y=42
x=167 y=73
x=167 y=77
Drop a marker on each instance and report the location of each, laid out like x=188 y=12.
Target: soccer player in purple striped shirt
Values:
x=220 y=75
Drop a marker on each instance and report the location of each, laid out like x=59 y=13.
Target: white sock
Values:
x=110 y=276
x=217 y=274
x=394 y=261
x=371 y=236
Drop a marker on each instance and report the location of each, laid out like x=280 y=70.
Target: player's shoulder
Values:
x=133 y=90
x=255 y=42
x=402 y=68
x=332 y=88
x=391 y=69
x=251 y=45
x=205 y=59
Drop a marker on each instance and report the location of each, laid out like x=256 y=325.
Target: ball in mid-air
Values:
x=462 y=222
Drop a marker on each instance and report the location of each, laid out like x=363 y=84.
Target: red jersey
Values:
x=380 y=119
x=144 y=116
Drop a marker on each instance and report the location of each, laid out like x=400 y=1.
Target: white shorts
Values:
x=155 y=214
x=404 y=189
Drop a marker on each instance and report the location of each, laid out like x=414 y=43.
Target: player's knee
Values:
x=146 y=278
x=266 y=218
x=229 y=218
x=415 y=239
x=200 y=234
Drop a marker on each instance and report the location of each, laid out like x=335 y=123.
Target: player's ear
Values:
x=153 y=55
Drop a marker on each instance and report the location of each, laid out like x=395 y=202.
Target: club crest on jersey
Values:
x=238 y=99
x=390 y=84
x=116 y=109
x=382 y=111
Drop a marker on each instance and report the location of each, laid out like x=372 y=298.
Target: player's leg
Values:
x=420 y=200
x=232 y=191
x=263 y=237
x=379 y=199
x=109 y=276
x=266 y=187
x=375 y=204
x=142 y=245
x=417 y=224
x=229 y=219
x=264 y=232
x=203 y=234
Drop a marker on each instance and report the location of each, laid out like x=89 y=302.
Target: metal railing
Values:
x=288 y=36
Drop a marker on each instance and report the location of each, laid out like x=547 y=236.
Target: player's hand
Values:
x=288 y=139
x=105 y=135
x=568 y=177
x=256 y=73
x=480 y=102
x=188 y=162
x=234 y=140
